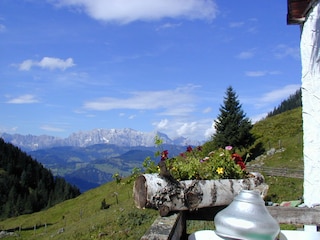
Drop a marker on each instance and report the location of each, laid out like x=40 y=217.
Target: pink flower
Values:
x=229 y=148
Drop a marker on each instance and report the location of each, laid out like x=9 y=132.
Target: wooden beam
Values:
x=296 y=215
x=287 y=215
x=172 y=227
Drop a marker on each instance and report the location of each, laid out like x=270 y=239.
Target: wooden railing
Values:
x=173 y=227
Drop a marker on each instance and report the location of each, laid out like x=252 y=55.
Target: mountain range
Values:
x=120 y=137
x=89 y=159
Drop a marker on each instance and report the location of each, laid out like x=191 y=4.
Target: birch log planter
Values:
x=155 y=191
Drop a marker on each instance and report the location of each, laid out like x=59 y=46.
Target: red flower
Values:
x=236 y=157
x=241 y=164
x=164 y=155
x=189 y=149
x=199 y=148
x=238 y=160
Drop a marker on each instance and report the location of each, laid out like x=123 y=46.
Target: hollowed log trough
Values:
x=166 y=195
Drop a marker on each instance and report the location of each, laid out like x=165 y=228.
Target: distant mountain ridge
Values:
x=120 y=137
x=89 y=167
x=90 y=158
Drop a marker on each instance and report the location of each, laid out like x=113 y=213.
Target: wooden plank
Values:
x=167 y=228
x=296 y=215
x=288 y=215
x=173 y=227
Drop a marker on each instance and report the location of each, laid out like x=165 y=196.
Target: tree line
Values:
x=26 y=186
x=292 y=102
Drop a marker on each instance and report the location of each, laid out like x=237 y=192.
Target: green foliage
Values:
x=194 y=164
x=26 y=186
x=232 y=126
x=116 y=177
x=149 y=165
x=219 y=164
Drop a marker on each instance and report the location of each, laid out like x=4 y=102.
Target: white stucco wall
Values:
x=310 y=57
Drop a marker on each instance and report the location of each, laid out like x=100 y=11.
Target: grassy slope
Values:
x=282 y=131
x=82 y=218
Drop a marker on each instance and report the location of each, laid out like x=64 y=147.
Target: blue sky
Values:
x=76 y=65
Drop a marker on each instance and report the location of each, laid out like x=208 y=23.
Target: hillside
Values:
x=279 y=144
x=26 y=186
x=83 y=218
x=281 y=133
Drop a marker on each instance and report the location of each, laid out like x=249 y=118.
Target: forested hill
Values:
x=26 y=186
x=292 y=102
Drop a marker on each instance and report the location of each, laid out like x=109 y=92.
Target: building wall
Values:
x=310 y=57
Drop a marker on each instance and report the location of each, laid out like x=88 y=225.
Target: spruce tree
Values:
x=232 y=126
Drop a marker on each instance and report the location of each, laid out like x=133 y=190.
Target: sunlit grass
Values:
x=82 y=218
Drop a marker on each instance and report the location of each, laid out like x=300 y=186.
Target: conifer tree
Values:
x=232 y=126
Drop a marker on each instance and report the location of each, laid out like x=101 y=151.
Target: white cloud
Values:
x=282 y=51
x=23 y=99
x=51 y=128
x=207 y=110
x=246 y=54
x=47 y=63
x=179 y=101
x=255 y=73
x=209 y=132
x=163 y=124
x=2 y=28
x=186 y=128
x=236 y=24
x=169 y=26
x=280 y=94
x=8 y=129
x=261 y=73
x=258 y=117
x=198 y=130
x=126 y=11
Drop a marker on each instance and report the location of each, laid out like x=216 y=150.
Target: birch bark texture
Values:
x=310 y=59
x=155 y=191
